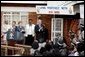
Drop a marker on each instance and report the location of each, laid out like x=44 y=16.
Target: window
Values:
x=57 y=28
x=15 y=16
x=24 y=18
x=6 y=16
x=58 y=25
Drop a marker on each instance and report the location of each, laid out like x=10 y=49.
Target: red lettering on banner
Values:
x=50 y=11
x=56 y=12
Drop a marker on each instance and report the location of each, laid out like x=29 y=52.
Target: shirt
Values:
x=5 y=29
x=29 y=30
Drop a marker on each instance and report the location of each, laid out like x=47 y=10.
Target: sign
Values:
x=54 y=10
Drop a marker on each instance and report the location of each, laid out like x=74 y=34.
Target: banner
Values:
x=54 y=10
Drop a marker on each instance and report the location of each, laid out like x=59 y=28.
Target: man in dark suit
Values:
x=41 y=31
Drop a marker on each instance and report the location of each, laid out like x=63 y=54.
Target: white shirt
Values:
x=76 y=54
x=41 y=45
x=5 y=28
x=29 y=30
x=32 y=51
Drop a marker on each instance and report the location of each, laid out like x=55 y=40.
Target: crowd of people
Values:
x=59 y=48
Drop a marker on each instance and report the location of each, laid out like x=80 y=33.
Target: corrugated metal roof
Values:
x=57 y=3
x=39 y=2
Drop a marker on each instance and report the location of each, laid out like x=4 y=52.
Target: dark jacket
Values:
x=20 y=35
x=12 y=31
x=42 y=34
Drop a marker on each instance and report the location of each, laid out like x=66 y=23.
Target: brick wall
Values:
x=46 y=19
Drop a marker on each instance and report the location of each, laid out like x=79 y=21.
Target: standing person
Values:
x=20 y=34
x=45 y=33
x=13 y=34
x=39 y=30
x=5 y=28
x=81 y=33
x=29 y=33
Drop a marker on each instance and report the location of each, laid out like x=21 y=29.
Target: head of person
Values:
x=13 y=23
x=35 y=44
x=20 y=23
x=39 y=22
x=70 y=31
x=47 y=41
x=30 y=21
x=72 y=48
x=6 y=22
x=42 y=50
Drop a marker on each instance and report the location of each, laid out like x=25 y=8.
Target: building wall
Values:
x=76 y=9
x=68 y=24
x=82 y=14
x=46 y=19
x=80 y=9
x=18 y=9
x=33 y=16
